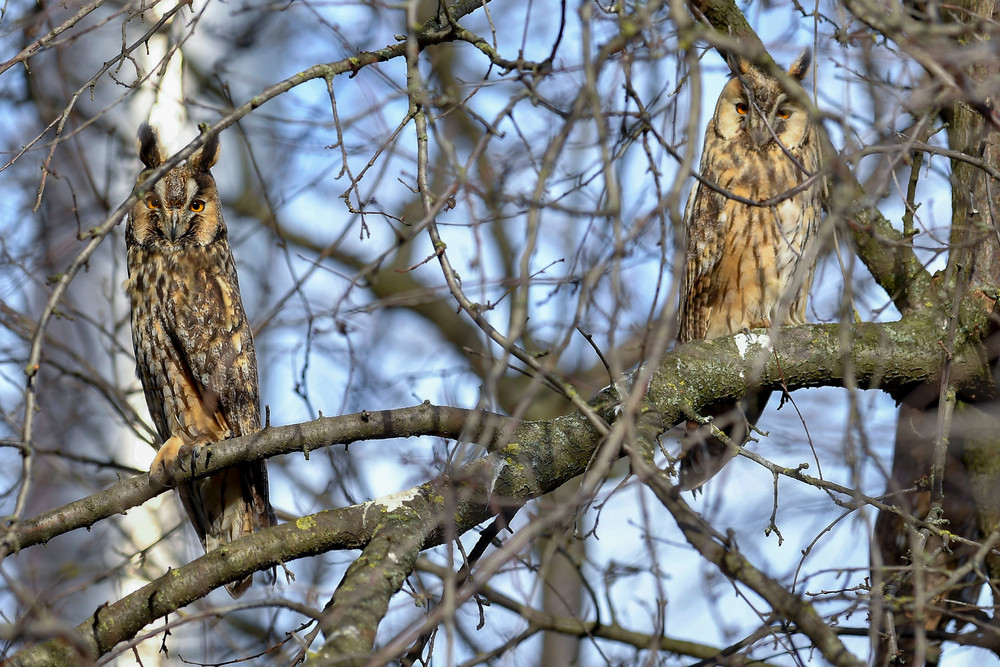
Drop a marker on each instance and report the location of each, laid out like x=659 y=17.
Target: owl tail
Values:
x=223 y=509
x=702 y=454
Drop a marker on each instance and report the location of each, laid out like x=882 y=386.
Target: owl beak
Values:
x=760 y=135
x=175 y=221
x=172 y=225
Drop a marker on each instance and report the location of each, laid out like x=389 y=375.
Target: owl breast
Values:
x=750 y=223
x=175 y=297
x=755 y=249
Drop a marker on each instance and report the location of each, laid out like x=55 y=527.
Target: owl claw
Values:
x=175 y=459
x=168 y=462
x=183 y=457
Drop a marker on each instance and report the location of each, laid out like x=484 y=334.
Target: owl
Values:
x=193 y=345
x=750 y=221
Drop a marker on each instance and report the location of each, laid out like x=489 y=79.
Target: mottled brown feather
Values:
x=193 y=345
x=748 y=266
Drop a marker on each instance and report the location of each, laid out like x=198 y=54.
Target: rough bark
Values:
x=536 y=458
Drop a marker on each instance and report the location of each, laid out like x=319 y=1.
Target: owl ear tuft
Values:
x=150 y=151
x=205 y=157
x=738 y=65
x=800 y=67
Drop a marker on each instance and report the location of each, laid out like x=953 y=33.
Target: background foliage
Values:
x=479 y=206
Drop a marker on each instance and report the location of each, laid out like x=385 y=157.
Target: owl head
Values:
x=181 y=208
x=754 y=109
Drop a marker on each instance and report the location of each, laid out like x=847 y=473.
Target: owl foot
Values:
x=173 y=458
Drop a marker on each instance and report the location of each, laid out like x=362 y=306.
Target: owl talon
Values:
x=167 y=462
x=183 y=456
x=195 y=450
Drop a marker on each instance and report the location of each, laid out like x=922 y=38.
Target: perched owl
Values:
x=748 y=265
x=193 y=346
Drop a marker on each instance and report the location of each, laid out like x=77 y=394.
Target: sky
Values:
x=330 y=347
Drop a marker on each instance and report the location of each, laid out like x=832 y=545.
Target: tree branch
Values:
x=538 y=457
x=424 y=419
x=721 y=552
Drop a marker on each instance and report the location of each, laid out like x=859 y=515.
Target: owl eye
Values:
x=783 y=114
x=153 y=202
x=197 y=206
x=742 y=108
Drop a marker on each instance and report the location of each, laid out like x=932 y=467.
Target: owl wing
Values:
x=702 y=223
x=216 y=346
x=216 y=342
x=702 y=454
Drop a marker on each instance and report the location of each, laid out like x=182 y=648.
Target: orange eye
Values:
x=153 y=202
x=197 y=206
x=783 y=114
x=742 y=108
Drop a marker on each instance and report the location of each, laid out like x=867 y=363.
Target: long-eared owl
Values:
x=751 y=224
x=193 y=345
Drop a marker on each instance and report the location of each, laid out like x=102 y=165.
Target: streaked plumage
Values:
x=748 y=265
x=193 y=345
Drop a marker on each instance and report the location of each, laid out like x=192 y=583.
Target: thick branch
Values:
x=890 y=356
x=538 y=457
x=351 y=618
x=425 y=419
